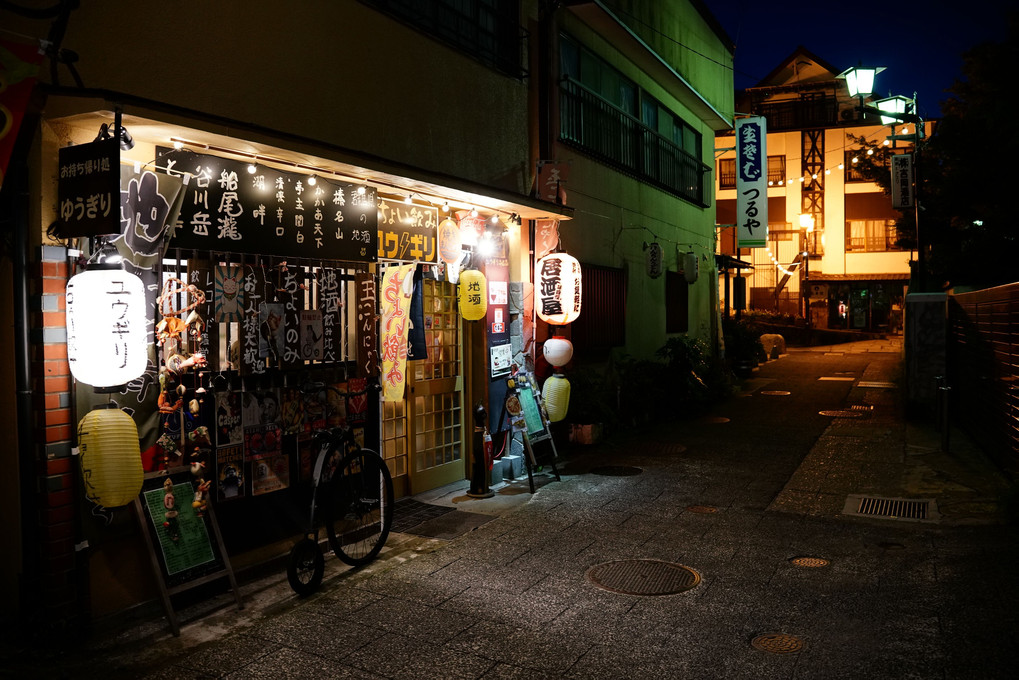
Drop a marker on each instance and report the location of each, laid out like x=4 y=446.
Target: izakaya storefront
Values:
x=212 y=278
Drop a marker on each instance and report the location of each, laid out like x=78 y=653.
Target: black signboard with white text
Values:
x=229 y=209
x=88 y=188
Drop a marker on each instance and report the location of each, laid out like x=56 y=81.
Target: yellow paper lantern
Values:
x=557 y=288
x=107 y=326
x=449 y=241
x=473 y=295
x=111 y=461
x=557 y=397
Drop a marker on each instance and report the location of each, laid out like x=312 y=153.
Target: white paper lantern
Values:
x=558 y=351
x=106 y=327
x=557 y=280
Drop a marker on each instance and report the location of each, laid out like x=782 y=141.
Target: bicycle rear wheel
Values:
x=359 y=513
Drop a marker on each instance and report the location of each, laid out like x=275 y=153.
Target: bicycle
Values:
x=353 y=489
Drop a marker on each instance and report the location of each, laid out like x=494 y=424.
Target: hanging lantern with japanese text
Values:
x=449 y=241
x=557 y=279
x=106 y=327
x=111 y=462
x=473 y=295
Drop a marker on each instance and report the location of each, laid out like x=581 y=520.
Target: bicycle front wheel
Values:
x=359 y=512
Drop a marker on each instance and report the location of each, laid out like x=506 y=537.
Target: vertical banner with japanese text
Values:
x=367 y=316
x=397 y=287
x=751 y=182
x=902 y=181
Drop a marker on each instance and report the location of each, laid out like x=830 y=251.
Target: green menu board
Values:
x=532 y=414
x=192 y=547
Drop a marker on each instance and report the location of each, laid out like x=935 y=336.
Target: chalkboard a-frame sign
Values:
x=196 y=556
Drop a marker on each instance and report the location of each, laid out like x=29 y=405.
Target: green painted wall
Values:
x=615 y=215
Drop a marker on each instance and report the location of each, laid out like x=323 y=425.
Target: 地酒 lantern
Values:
x=448 y=235
x=111 y=462
x=473 y=295
x=106 y=327
x=557 y=282
x=557 y=397
x=557 y=351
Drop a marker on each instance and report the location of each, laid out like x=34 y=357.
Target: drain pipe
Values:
x=18 y=202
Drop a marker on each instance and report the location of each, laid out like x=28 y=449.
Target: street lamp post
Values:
x=807 y=224
x=860 y=83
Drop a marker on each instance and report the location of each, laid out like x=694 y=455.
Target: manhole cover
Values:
x=643 y=577
x=701 y=509
x=842 y=413
x=777 y=643
x=776 y=393
x=812 y=562
x=616 y=470
x=714 y=419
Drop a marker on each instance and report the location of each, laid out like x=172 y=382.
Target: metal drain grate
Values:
x=841 y=413
x=776 y=393
x=777 y=643
x=643 y=577
x=616 y=470
x=918 y=510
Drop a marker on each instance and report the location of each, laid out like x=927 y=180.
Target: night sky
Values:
x=922 y=52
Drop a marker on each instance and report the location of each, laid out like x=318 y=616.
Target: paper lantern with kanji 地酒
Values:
x=111 y=461
x=106 y=327
x=473 y=295
x=557 y=282
x=557 y=397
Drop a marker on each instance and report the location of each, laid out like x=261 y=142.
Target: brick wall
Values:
x=60 y=596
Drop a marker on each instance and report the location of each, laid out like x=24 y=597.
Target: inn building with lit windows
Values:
x=832 y=240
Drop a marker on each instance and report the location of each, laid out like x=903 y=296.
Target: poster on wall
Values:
x=312 y=347
x=330 y=299
x=229 y=425
x=254 y=285
x=261 y=415
x=367 y=318
x=229 y=472
x=229 y=298
x=228 y=209
x=269 y=474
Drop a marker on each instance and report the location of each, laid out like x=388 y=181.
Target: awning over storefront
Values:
x=163 y=124
x=897 y=276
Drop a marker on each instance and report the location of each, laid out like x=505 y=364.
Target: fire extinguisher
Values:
x=487 y=439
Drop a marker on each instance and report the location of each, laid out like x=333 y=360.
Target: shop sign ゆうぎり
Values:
x=88 y=188
x=228 y=209
x=751 y=182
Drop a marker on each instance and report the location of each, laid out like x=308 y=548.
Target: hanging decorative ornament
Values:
x=558 y=351
x=111 y=462
x=106 y=327
x=558 y=288
x=653 y=258
x=450 y=245
x=473 y=295
x=691 y=267
x=557 y=397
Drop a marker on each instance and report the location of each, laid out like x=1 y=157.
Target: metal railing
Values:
x=983 y=363
x=621 y=141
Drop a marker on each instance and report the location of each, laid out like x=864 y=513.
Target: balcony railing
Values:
x=624 y=143
x=800 y=114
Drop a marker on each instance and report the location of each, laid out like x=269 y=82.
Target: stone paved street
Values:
x=510 y=599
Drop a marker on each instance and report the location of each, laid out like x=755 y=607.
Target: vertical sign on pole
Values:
x=902 y=181
x=751 y=182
